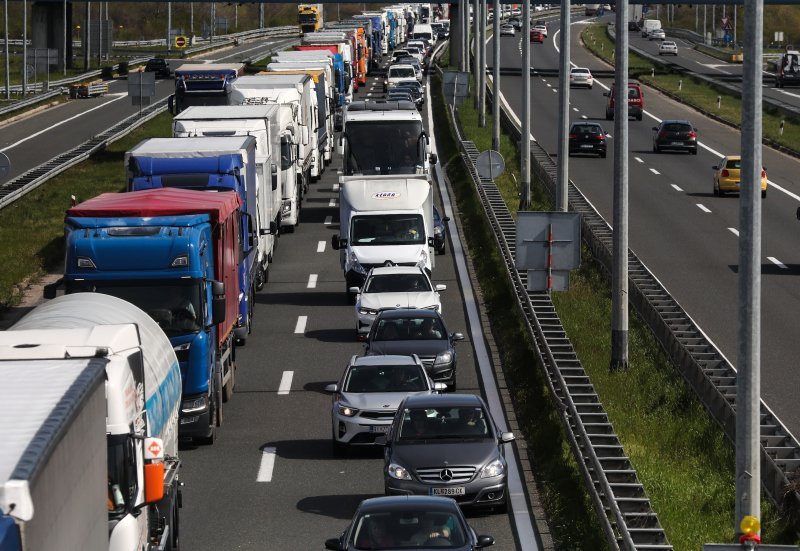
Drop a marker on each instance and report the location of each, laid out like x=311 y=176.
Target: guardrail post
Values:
x=719 y=102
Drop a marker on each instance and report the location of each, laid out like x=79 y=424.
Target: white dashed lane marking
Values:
x=332 y=202
x=267 y=464
x=638 y=160
x=654 y=171
x=312 y=281
x=328 y=220
x=777 y=262
x=300 y=328
x=286 y=382
x=676 y=188
x=321 y=247
x=734 y=231
x=702 y=207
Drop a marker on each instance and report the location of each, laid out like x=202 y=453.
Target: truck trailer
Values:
x=91 y=461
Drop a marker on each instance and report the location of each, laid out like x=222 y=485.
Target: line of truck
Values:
x=159 y=283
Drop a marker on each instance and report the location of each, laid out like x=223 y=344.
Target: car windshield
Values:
x=405 y=329
x=444 y=423
x=397 y=283
x=401 y=72
x=407 y=529
x=398 y=151
x=384 y=378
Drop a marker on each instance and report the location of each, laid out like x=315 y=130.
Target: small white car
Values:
x=668 y=47
x=541 y=28
x=657 y=34
x=581 y=76
x=394 y=287
x=507 y=30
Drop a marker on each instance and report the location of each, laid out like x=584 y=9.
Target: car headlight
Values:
x=423 y=259
x=398 y=472
x=443 y=358
x=367 y=311
x=494 y=468
x=348 y=411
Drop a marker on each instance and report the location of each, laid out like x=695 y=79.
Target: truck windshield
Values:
x=383 y=147
x=387 y=229
x=177 y=308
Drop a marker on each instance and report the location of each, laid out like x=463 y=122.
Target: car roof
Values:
x=681 y=121
x=441 y=400
x=580 y=69
x=383 y=270
x=400 y=313
x=386 y=359
x=409 y=503
x=401 y=66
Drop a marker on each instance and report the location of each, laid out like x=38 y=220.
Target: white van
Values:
x=424 y=30
x=649 y=25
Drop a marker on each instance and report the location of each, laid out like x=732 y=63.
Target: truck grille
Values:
x=446 y=474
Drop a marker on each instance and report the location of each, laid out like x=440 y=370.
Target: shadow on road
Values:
x=341 y=507
x=307 y=298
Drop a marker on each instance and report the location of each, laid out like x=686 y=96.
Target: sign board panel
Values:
x=537 y=280
x=141 y=87
x=534 y=241
x=456 y=86
x=490 y=164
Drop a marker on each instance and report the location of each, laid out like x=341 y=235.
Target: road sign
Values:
x=181 y=41
x=548 y=247
x=5 y=166
x=490 y=164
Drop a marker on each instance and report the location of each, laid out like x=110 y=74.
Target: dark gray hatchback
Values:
x=675 y=136
x=447 y=445
x=587 y=138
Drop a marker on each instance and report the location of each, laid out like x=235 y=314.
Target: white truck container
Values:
x=346 y=48
x=296 y=90
x=91 y=461
x=383 y=219
x=260 y=121
x=321 y=74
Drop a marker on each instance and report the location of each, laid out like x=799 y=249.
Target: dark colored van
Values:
x=635 y=102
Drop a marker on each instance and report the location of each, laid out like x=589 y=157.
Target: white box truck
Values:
x=261 y=122
x=90 y=398
x=383 y=220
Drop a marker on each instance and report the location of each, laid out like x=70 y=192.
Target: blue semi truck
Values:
x=211 y=164
x=175 y=254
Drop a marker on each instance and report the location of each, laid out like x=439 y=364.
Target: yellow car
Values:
x=726 y=176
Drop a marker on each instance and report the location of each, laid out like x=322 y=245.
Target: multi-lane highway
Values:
x=686 y=235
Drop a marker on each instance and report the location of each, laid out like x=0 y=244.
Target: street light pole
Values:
x=563 y=111
x=525 y=143
x=482 y=68
x=8 y=64
x=496 y=77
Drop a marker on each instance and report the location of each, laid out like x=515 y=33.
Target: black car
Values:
x=675 y=135
x=158 y=66
x=439 y=232
x=402 y=522
x=447 y=445
x=414 y=88
x=587 y=138
x=398 y=95
x=416 y=331
x=633 y=26
x=516 y=22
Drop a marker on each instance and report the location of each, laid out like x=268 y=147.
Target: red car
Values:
x=536 y=36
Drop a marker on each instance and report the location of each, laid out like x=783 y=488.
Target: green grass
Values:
x=694 y=92
x=32 y=229
x=682 y=457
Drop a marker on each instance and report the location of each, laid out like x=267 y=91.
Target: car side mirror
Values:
x=605 y=94
x=457 y=336
x=715 y=167
x=331 y=387
x=354 y=290
x=507 y=437
x=332 y=544
x=655 y=129
x=446 y=219
x=440 y=387
x=441 y=287
x=273 y=228
x=430 y=241
x=484 y=541
x=335 y=242
x=798 y=213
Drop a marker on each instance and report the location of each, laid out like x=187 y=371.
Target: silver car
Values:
x=394 y=287
x=366 y=398
x=447 y=445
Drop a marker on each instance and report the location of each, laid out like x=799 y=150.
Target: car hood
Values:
x=435 y=453
x=419 y=347
x=378 y=400
x=377 y=301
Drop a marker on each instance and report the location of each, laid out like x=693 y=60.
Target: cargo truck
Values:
x=349 y=50
x=382 y=220
x=210 y=164
x=309 y=17
x=91 y=459
x=203 y=84
x=175 y=254
x=341 y=74
x=261 y=122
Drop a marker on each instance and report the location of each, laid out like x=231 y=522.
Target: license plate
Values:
x=379 y=428
x=454 y=491
x=587 y=146
x=677 y=143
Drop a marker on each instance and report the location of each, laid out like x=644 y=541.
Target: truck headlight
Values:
x=493 y=468
x=286 y=207
x=354 y=264
x=423 y=259
x=443 y=358
x=194 y=405
x=398 y=472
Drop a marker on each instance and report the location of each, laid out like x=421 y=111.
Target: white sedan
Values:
x=581 y=76
x=394 y=287
x=668 y=47
x=507 y=30
x=541 y=28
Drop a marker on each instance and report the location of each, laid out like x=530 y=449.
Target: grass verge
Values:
x=32 y=228
x=694 y=92
x=682 y=457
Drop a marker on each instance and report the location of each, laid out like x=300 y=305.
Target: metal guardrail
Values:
x=33 y=100
x=21 y=185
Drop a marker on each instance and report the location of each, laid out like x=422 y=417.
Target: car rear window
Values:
x=634 y=92
x=733 y=163
x=677 y=127
x=584 y=71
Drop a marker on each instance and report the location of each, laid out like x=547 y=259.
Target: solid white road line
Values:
x=638 y=160
x=286 y=382
x=676 y=188
x=300 y=328
x=702 y=207
x=584 y=117
x=734 y=231
x=312 y=281
x=777 y=262
x=328 y=220
x=332 y=202
x=654 y=171
x=267 y=465
x=321 y=246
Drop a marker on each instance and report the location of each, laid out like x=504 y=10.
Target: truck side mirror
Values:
x=335 y=242
x=217 y=302
x=153 y=482
x=273 y=228
x=274 y=177
x=430 y=241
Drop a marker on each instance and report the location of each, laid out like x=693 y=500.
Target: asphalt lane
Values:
x=685 y=235
x=310 y=495
x=34 y=140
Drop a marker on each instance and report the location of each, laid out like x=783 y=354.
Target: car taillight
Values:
x=763 y=173
x=573 y=136
x=600 y=137
x=724 y=173
x=692 y=134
